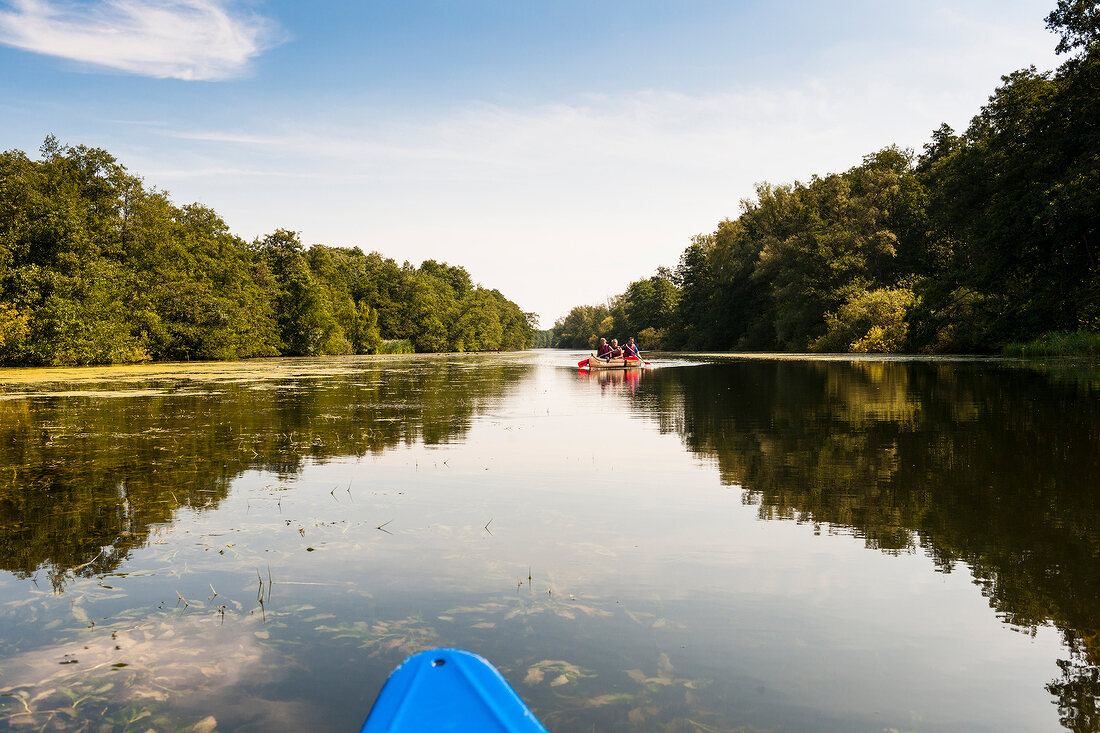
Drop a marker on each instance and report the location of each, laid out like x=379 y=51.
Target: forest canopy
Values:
x=984 y=238
x=97 y=268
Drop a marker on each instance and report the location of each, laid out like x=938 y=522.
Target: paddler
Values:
x=631 y=349
x=604 y=350
x=616 y=350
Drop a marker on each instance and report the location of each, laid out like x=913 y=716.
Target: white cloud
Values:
x=179 y=39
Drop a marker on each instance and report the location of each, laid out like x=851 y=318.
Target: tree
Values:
x=1078 y=23
x=580 y=328
x=869 y=321
x=1013 y=204
x=306 y=324
x=695 y=280
x=649 y=304
x=95 y=267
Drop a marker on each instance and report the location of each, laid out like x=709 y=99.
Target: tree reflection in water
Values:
x=613 y=381
x=84 y=476
x=976 y=464
x=990 y=465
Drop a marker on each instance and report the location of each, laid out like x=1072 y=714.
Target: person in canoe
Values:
x=603 y=351
x=616 y=350
x=630 y=349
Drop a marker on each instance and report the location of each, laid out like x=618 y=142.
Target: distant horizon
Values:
x=556 y=153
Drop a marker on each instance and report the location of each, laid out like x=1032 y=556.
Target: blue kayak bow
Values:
x=449 y=690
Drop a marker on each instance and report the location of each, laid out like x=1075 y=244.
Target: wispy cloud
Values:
x=595 y=189
x=178 y=39
x=240 y=173
x=600 y=139
x=568 y=180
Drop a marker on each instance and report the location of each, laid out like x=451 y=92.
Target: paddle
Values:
x=639 y=358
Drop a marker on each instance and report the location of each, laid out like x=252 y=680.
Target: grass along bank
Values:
x=1058 y=343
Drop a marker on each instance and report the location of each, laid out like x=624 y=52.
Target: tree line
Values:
x=985 y=238
x=97 y=268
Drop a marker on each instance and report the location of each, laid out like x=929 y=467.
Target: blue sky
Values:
x=557 y=150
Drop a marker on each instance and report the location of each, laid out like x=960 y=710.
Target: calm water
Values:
x=723 y=544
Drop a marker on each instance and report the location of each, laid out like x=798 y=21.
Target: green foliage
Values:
x=1016 y=201
x=582 y=327
x=647 y=307
x=696 y=281
x=1060 y=343
x=959 y=321
x=988 y=237
x=1077 y=21
x=652 y=339
x=396 y=346
x=869 y=321
x=13 y=327
x=543 y=339
x=97 y=268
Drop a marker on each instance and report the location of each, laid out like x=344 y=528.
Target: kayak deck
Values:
x=449 y=690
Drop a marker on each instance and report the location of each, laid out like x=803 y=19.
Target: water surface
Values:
x=713 y=544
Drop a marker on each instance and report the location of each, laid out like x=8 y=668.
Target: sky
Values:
x=556 y=149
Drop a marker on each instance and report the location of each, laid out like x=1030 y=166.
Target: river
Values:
x=717 y=543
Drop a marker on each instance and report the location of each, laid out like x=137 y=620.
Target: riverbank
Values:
x=1059 y=343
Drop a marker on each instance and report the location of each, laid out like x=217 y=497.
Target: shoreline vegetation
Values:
x=98 y=268
x=986 y=242
x=1057 y=344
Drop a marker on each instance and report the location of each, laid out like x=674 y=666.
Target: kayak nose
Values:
x=449 y=690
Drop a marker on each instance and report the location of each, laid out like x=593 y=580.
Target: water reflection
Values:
x=203 y=526
x=192 y=661
x=92 y=459
x=994 y=466
x=613 y=381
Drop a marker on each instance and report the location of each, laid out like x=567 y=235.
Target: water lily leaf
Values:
x=609 y=699
x=206 y=725
x=561 y=671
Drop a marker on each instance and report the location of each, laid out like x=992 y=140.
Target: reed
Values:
x=1057 y=343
